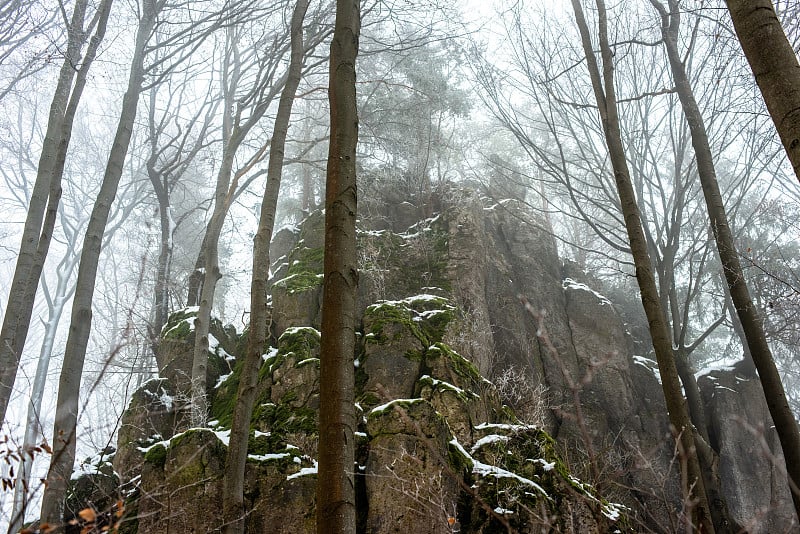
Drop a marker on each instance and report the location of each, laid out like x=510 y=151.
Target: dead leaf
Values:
x=88 y=515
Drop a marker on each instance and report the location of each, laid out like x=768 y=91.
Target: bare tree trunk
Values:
x=46 y=195
x=196 y=278
x=64 y=430
x=33 y=431
x=166 y=165
x=161 y=190
x=693 y=487
x=235 y=129
x=336 y=507
x=210 y=276
x=782 y=416
x=775 y=68
x=233 y=490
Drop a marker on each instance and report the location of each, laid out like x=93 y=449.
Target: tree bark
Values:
x=233 y=494
x=603 y=85
x=782 y=416
x=46 y=195
x=210 y=276
x=774 y=66
x=336 y=510
x=64 y=429
x=33 y=432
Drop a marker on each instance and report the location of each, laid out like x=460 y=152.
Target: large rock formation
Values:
x=451 y=305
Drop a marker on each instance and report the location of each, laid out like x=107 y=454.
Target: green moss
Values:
x=387 y=314
x=202 y=434
x=404 y=404
x=156 y=456
x=279 y=420
x=460 y=463
x=436 y=323
x=424 y=316
x=192 y=465
x=369 y=399
x=464 y=368
x=242 y=341
x=532 y=453
x=179 y=324
x=445 y=387
x=223 y=399
x=258 y=444
x=507 y=415
x=305 y=270
x=301 y=342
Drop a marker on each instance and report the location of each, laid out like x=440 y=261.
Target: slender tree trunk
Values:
x=163 y=270
x=233 y=490
x=782 y=416
x=45 y=197
x=33 y=431
x=234 y=132
x=161 y=190
x=64 y=430
x=693 y=487
x=746 y=366
x=210 y=276
x=197 y=276
x=775 y=68
x=336 y=507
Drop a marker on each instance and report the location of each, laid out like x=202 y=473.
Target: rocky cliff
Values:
x=497 y=390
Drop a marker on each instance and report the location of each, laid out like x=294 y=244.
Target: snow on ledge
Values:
x=569 y=283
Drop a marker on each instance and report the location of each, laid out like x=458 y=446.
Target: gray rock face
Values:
x=750 y=453
x=406 y=475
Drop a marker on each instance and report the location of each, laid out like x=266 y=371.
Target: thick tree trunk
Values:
x=336 y=506
x=785 y=423
x=233 y=494
x=774 y=66
x=693 y=486
x=64 y=430
x=46 y=195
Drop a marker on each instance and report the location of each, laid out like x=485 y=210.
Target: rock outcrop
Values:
x=496 y=389
x=751 y=466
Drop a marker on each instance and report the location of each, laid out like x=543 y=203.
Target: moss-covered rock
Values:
x=153 y=413
x=418 y=357
x=175 y=353
x=409 y=481
x=183 y=493
x=518 y=473
x=95 y=489
x=397 y=336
